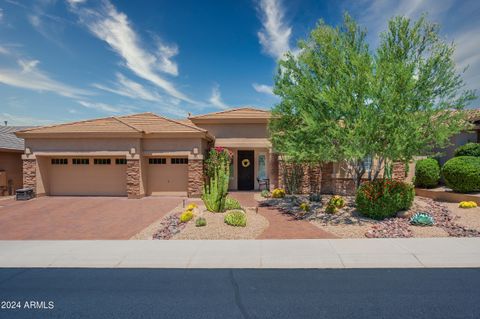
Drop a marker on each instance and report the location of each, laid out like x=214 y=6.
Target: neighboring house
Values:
x=473 y=135
x=11 y=149
x=146 y=154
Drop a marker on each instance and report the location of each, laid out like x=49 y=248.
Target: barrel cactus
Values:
x=422 y=219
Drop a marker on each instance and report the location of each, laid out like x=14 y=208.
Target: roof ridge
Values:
x=129 y=125
x=229 y=110
x=68 y=123
x=177 y=122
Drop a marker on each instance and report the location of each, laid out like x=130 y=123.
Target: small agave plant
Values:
x=422 y=219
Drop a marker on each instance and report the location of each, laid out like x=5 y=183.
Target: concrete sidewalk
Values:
x=303 y=253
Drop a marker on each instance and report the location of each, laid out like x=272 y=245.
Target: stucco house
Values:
x=145 y=154
x=11 y=149
x=472 y=135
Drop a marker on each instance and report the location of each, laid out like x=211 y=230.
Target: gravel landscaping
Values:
x=217 y=229
x=348 y=223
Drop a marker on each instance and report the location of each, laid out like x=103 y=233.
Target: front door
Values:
x=246 y=170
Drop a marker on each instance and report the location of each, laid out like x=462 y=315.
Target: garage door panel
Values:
x=88 y=180
x=164 y=178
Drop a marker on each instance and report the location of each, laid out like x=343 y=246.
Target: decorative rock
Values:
x=405 y=214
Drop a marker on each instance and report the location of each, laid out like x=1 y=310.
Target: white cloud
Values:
x=113 y=27
x=263 y=88
x=23 y=120
x=216 y=98
x=275 y=34
x=4 y=50
x=30 y=77
x=126 y=87
x=102 y=107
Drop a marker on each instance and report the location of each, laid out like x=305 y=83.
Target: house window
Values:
x=262 y=166
x=101 y=161
x=179 y=160
x=59 y=161
x=367 y=162
x=80 y=161
x=120 y=161
x=157 y=161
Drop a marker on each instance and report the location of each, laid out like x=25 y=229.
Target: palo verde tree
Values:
x=340 y=102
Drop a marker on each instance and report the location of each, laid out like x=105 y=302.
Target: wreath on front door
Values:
x=245 y=163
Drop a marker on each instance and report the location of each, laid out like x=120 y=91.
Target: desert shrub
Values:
x=236 y=218
x=334 y=204
x=427 y=173
x=305 y=207
x=381 y=199
x=200 y=222
x=469 y=149
x=422 y=219
x=278 y=193
x=467 y=204
x=232 y=203
x=265 y=193
x=186 y=216
x=462 y=174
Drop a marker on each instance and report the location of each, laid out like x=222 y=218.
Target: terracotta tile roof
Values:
x=102 y=125
x=472 y=115
x=153 y=123
x=238 y=113
x=136 y=123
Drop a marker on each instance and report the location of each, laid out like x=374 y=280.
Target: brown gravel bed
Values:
x=217 y=229
x=467 y=217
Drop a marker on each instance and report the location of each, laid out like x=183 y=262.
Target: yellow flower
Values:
x=467 y=204
x=304 y=207
x=186 y=216
x=278 y=193
x=191 y=206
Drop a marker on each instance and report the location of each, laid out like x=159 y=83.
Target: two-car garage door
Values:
x=107 y=176
x=87 y=176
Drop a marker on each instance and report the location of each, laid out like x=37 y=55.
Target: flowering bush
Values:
x=466 y=204
x=278 y=193
x=381 y=199
x=186 y=216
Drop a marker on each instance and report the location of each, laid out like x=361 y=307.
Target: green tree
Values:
x=340 y=102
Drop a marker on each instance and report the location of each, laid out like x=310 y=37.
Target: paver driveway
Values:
x=81 y=217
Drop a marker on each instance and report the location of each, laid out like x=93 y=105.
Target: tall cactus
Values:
x=215 y=190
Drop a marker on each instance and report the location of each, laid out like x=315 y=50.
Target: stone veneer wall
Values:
x=273 y=168
x=195 y=177
x=133 y=178
x=30 y=173
x=322 y=177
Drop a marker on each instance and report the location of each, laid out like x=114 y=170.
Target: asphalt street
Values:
x=240 y=293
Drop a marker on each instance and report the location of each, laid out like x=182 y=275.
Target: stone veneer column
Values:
x=133 y=178
x=195 y=176
x=398 y=171
x=30 y=173
x=274 y=171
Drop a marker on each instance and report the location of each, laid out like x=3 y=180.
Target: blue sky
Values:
x=77 y=59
